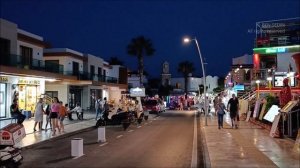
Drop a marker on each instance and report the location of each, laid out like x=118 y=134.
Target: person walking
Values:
x=220 y=110
x=55 y=107
x=61 y=116
x=98 y=108
x=233 y=107
x=38 y=114
x=15 y=112
x=48 y=119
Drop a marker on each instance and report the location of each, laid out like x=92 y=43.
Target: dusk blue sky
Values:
x=105 y=28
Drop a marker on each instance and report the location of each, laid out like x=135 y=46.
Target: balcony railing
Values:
x=92 y=77
x=40 y=65
x=34 y=64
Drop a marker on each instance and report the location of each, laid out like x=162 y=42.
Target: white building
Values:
x=193 y=83
x=93 y=78
x=134 y=80
x=22 y=70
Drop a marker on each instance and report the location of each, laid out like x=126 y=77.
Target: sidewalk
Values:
x=247 y=146
x=71 y=127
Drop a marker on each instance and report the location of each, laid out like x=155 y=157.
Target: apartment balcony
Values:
x=30 y=64
x=92 y=77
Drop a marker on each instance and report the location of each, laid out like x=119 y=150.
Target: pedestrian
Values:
x=68 y=112
x=55 y=107
x=233 y=107
x=38 y=114
x=48 y=119
x=98 y=107
x=78 y=111
x=215 y=102
x=15 y=112
x=61 y=116
x=220 y=110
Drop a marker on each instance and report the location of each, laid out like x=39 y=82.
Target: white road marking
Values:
x=119 y=136
x=104 y=144
x=139 y=126
x=194 y=152
x=77 y=157
x=130 y=130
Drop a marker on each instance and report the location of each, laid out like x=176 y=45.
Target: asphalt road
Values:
x=166 y=141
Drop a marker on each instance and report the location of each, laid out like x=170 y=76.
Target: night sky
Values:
x=105 y=28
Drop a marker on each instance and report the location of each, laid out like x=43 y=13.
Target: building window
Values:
x=26 y=56
x=4 y=51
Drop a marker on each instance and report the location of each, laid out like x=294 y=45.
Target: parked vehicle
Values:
x=153 y=106
x=10 y=157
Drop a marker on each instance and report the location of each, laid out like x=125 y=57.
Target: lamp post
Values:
x=269 y=79
x=257 y=82
x=188 y=40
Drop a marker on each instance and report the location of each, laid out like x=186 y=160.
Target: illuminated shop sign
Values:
x=28 y=82
x=274 y=50
x=3 y=79
x=137 y=92
x=239 y=87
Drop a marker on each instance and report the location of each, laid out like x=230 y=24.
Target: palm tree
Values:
x=139 y=47
x=185 y=68
x=115 y=61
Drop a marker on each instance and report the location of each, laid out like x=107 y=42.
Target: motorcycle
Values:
x=10 y=157
x=115 y=119
x=120 y=117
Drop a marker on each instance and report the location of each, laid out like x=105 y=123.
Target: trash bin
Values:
x=77 y=147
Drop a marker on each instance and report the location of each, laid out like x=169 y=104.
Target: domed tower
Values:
x=165 y=76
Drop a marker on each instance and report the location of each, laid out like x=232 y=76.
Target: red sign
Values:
x=5 y=136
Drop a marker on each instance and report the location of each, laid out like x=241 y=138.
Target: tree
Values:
x=115 y=61
x=140 y=47
x=185 y=68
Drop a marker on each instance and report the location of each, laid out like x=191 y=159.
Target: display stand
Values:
x=274 y=126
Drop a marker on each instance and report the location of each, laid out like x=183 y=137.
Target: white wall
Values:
x=284 y=60
x=37 y=51
x=193 y=83
x=114 y=72
x=67 y=62
x=63 y=91
x=8 y=30
x=96 y=61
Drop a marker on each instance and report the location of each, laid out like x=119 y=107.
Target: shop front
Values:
x=75 y=96
x=25 y=89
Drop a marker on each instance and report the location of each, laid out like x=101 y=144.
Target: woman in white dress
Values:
x=38 y=114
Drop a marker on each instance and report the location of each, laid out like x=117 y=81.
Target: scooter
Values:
x=10 y=157
x=116 y=119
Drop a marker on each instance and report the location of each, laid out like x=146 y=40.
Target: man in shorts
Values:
x=233 y=107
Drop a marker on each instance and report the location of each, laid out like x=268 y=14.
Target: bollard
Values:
x=101 y=134
x=77 y=147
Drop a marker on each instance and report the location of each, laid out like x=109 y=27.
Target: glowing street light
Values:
x=257 y=82
x=188 y=40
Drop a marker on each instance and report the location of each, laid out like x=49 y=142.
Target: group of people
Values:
x=56 y=113
x=232 y=107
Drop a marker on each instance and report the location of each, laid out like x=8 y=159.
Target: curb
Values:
x=206 y=157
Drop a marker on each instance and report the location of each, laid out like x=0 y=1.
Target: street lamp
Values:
x=270 y=84
x=188 y=40
x=257 y=82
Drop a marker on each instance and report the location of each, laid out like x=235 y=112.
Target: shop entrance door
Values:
x=95 y=93
x=75 y=96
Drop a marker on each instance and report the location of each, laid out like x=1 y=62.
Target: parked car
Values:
x=152 y=106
